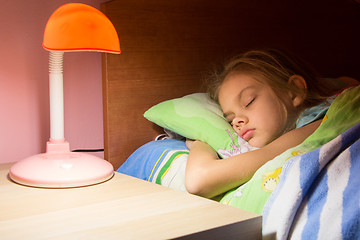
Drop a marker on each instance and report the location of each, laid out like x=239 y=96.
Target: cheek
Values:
x=273 y=118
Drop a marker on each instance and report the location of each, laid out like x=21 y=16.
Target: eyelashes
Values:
x=251 y=101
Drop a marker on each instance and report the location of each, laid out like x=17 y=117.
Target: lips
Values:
x=246 y=134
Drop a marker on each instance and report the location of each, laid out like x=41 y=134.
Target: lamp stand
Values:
x=59 y=167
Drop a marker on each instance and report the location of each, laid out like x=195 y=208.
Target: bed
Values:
x=169 y=48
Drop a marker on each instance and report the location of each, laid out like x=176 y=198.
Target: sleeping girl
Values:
x=273 y=101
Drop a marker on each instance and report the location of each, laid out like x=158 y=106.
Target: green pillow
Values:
x=196 y=116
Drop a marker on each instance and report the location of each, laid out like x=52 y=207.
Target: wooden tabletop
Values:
x=121 y=208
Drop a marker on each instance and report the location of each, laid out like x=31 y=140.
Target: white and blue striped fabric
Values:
x=318 y=196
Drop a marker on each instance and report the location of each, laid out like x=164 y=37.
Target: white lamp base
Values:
x=60 y=168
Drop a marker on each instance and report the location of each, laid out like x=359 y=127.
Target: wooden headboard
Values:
x=168 y=47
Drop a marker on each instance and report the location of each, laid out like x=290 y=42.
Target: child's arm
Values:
x=208 y=176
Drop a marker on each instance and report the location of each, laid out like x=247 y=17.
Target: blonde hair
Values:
x=274 y=68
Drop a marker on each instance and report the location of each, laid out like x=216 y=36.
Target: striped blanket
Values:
x=318 y=196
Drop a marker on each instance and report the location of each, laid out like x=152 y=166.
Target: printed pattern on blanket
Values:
x=252 y=196
x=319 y=195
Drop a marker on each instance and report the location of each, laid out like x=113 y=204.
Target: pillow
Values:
x=196 y=116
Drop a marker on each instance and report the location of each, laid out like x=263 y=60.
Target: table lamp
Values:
x=72 y=27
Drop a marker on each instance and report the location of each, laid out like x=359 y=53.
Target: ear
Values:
x=299 y=83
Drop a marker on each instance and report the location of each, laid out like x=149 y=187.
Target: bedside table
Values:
x=121 y=208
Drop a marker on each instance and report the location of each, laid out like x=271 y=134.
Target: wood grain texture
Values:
x=168 y=47
x=121 y=208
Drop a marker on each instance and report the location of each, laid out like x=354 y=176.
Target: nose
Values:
x=239 y=121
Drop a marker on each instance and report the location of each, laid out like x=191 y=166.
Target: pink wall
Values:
x=24 y=104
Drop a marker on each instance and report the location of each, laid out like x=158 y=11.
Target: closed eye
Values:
x=247 y=105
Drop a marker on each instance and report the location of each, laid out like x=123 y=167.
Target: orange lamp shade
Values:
x=79 y=27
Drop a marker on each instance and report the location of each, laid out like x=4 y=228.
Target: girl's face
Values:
x=254 y=110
